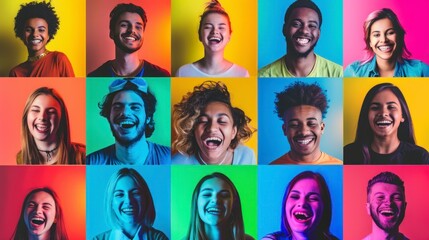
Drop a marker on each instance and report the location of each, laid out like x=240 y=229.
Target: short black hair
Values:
x=149 y=105
x=126 y=7
x=298 y=94
x=35 y=9
x=303 y=4
x=386 y=177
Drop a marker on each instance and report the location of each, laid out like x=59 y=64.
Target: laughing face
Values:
x=127 y=201
x=214 y=201
x=128 y=32
x=36 y=36
x=127 y=117
x=302 y=31
x=385 y=114
x=304 y=207
x=383 y=39
x=43 y=118
x=386 y=206
x=215 y=32
x=303 y=128
x=214 y=131
x=39 y=215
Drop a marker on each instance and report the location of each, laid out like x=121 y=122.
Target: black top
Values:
x=406 y=153
x=148 y=70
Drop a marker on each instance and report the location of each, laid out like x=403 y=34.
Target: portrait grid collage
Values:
x=214 y=119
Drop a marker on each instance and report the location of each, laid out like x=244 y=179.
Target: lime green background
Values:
x=98 y=134
x=185 y=178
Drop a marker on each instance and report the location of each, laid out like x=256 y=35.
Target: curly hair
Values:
x=123 y=8
x=214 y=7
x=149 y=105
x=186 y=113
x=37 y=10
x=300 y=93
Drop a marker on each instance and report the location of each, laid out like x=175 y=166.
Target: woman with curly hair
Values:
x=209 y=129
x=36 y=24
x=214 y=32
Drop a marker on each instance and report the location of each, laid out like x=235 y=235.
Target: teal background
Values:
x=183 y=182
x=272 y=183
x=270 y=126
x=272 y=43
x=97 y=177
x=98 y=133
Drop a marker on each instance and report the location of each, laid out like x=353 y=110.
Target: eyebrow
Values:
x=44 y=204
x=310 y=193
x=378 y=103
x=310 y=118
x=217 y=115
x=127 y=21
x=377 y=31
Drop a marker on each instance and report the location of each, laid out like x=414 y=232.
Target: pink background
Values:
x=413 y=16
x=357 y=223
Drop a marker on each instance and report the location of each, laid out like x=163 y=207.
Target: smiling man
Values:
x=302 y=108
x=301 y=29
x=129 y=107
x=386 y=205
x=127 y=27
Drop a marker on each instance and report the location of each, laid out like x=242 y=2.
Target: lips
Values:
x=36 y=41
x=214 y=210
x=37 y=220
x=304 y=141
x=215 y=39
x=128 y=210
x=383 y=123
x=385 y=48
x=125 y=123
x=42 y=128
x=212 y=142
x=302 y=216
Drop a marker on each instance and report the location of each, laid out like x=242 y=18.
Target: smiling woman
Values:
x=386 y=52
x=209 y=129
x=36 y=24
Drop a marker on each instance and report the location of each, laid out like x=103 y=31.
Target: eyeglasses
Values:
x=119 y=84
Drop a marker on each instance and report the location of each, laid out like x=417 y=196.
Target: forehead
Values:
x=36 y=22
x=130 y=16
x=127 y=96
x=215 y=184
x=45 y=100
x=304 y=13
x=215 y=18
x=306 y=185
x=385 y=95
x=41 y=197
x=217 y=107
x=381 y=24
x=385 y=188
x=126 y=182
x=302 y=112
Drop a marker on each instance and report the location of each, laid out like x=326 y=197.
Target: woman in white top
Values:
x=214 y=33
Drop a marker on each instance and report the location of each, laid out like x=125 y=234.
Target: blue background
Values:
x=272 y=44
x=272 y=142
x=272 y=182
x=97 y=177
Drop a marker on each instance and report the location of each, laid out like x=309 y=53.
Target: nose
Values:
x=383 y=38
x=39 y=209
x=212 y=126
x=43 y=115
x=301 y=202
x=214 y=198
x=303 y=128
x=126 y=111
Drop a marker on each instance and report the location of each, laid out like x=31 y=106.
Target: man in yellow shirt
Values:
x=302 y=108
x=301 y=29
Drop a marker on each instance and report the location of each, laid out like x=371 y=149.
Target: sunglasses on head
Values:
x=119 y=84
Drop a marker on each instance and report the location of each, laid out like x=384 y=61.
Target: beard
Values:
x=123 y=47
x=293 y=52
x=126 y=141
x=387 y=227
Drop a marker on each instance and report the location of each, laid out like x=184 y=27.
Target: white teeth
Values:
x=41 y=128
x=126 y=124
x=37 y=219
x=36 y=41
x=301 y=213
x=213 y=210
x=385 y=48
x=213 y=139
x=305 y=141
x=128 y=210
x=303 y=40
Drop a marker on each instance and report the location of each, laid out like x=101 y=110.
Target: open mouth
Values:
x=385 y=48
x=215 y=39
x=126 y=124
x=387 y=213
x=304 y=141
x=213 y=142
x=302 y=41
x=42 y=128
x=214 y=211
x=36 y=41
x=384 y=123
x=302 y=216
x=37 y=221
x=128 y=210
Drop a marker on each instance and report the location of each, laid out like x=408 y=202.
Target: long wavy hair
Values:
x=385 y=13
x=322 y=230
x=58 y=228
x=235 y=223
x=186 y=113
x=364 y=133
x=29 y=153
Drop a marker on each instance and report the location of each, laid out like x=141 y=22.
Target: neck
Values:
x=302 y=236
x=300 y=66
x=34 y=56
x=378 y=233
x=48 y=150
x=45 y=236
x=130 y=230
x=386 y=68
x=133 y=154
x=310 y=158
x=385 y=145
x=213 y=63
x=214 y=232
x=124 y=63
x=224 y=159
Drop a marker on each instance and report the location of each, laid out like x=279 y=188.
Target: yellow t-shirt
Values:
x=324 y=159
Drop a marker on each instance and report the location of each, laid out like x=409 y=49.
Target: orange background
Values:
x=67 y=181
x=157 y=36
x=15 y=92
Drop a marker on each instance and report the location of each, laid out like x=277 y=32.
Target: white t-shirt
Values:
x=190 y=70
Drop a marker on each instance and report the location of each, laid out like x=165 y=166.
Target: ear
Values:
x=322 y=126
x=368 y=209
x=402 y=119
x=234 y=132
x=148 y=119
x=284 y=128
x=284 y=29
x=110 y=35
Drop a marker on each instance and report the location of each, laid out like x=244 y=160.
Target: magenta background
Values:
x=413 y=16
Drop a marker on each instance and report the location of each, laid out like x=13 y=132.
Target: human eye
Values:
x=202 y=119
x=46 y=207
x=293 y=125
x=36 y=110
x=118 y=194
x=135 y=107
x=312 y=123
x=296 y=24
x=294 y=196
x=314 y=198
x=31 y=205
x=391 y=32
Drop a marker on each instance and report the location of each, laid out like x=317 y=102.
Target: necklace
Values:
x=220 y=163
x=35 y=58
x=49 y=153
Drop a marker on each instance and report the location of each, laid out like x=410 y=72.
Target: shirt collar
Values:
x=118 y=234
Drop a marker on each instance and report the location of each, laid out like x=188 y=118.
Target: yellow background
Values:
x=414 y=91
x=243 y=95
x=70 y=37
x=242 y=48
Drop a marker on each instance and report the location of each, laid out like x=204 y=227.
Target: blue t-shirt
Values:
x=242 y=156
x=408 y=68
x=158 y=155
